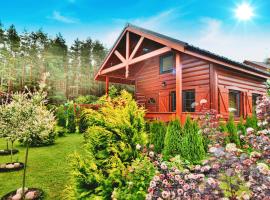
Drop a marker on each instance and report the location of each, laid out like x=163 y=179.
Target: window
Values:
x=188 y=101
x=173 y=101
x=234 y=102
x=166 y=63
x=254 y=99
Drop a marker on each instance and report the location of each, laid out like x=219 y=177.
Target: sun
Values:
x=244 y=12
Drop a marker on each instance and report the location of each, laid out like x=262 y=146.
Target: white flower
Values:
x=263 y=168
x=163 y=166
x=151 y=154
x=232 y=109
x=194 y=104
x=231 y=147
x=153 y=184
x=203 y=101
x=138 y=147
x=250 y=130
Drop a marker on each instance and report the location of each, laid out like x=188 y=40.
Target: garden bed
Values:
x=9 y=167
x=31 y=194
x=4 y=152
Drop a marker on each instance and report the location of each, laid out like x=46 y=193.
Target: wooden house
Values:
x=171 y=77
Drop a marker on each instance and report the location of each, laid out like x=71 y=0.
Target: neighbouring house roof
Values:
x=190 y=48
x=200 y=50
x=256 y=63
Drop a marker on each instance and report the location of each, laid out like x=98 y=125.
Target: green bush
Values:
x=157 y=135
x=88 y=99
x=137 y=179
x=71 y=120
x=111 y=139
x=252 y=122
x=172 y=140
x=192 y=145
x=61 y=116
x=232 y=131
x=241 y=127
x=83 y=122
x=60 y=131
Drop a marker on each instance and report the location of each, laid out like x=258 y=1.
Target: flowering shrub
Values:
x=263 y=112
x=112 y=139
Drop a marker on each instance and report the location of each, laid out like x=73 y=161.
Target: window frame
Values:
x=173 y=101
x=239 y=103
x=161 y=71
x=184 y=101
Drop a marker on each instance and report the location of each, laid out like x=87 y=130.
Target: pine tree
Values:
x=157 y=135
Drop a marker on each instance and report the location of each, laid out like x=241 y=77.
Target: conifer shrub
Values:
x=157 y=135
x=172 y=142
x=241 y=127
x=252 y=122
x=115 y=133
x=192 y=144
x=71 y=120
x=61 y=116
x=83 y=122
x=233 y=136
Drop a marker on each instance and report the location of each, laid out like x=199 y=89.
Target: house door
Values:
x=164 y=99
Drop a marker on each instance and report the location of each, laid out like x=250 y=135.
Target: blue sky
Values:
x=208 y=24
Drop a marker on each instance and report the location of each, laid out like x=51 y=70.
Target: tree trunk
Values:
x=12 y=142
x=7 y=145
x=24 y=171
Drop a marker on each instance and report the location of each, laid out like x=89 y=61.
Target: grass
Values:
x=48 y=167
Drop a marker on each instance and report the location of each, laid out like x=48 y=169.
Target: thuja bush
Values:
x=71 y=118
x=61 y=116
x=157 y=135
x=251 y=122
x=241 y=126
x=232 y=131
x=192 y=145
x=172 y=142
x=115 y=131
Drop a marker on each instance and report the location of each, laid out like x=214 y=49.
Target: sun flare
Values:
x=244 y=12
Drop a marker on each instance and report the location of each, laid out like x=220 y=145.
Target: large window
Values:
x=188 y=101
x=166 y=63
x=234 y=102
x=254 y=99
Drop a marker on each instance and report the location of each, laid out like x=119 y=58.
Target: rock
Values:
x=16 y=165
x=19 y=191
x=30 y=195
x=17 y=197
x=10 y=166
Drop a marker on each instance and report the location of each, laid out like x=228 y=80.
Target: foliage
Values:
x=71 y=120
x=61 y=116
x=241 y=126
x=157 y=135
x=83 y=122
x=232 y=131
x=172 y=140
x=252 y=122
x=113 y=92
x=192 y=146
x=137 y=178
x=60 y=131
x=115 y=130
x=87 y=99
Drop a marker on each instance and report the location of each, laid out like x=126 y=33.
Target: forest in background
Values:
x=25 y=57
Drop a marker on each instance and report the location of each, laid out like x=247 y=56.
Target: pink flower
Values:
x=165 y=194
x=156 y=178
x=165 y=182
x=203 y=101
x=181 y=182
x=186 y=187
x=177 y=177
x=180 y=191
x=163 y=166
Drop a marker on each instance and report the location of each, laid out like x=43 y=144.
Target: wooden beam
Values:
x=127 y=71
x=136 y=47
x=107 y=85
x=137 y=59
x=213 y=79
x=127 y=45
x=120 y=56
x=178 y=70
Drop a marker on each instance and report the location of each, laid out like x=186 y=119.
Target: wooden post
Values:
x=178 y=70
x=213 y=87
x=127 y=55
x=107 y=85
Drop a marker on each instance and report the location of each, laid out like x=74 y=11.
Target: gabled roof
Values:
x=199 y=50
x=189 y=48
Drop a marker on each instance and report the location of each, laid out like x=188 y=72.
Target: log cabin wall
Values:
x=230 y=79
x=149 y=82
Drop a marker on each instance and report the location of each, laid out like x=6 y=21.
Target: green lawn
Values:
x=48 y=167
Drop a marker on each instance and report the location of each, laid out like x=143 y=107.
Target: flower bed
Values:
x=30 y=194
x=8 y=151
x=9 y=167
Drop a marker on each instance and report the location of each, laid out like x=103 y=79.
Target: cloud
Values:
x=64 y=19
x=235 y=44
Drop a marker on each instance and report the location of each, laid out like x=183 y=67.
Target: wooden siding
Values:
x=246 y=84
